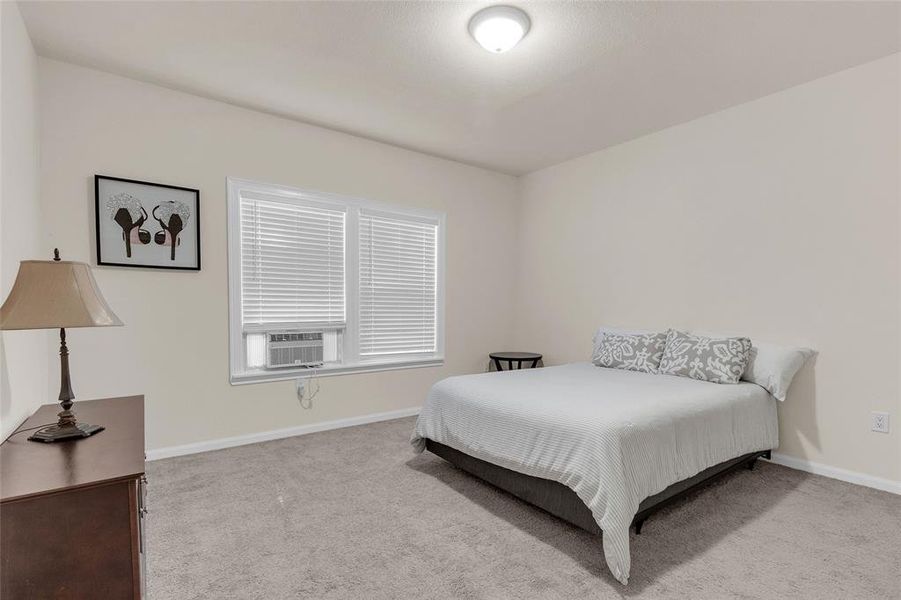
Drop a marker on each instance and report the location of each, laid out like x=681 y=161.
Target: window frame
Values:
x=239 y=374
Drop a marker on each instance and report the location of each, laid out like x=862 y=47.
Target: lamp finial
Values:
x=56 y=254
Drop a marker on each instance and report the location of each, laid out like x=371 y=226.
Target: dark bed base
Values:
x=562 y=502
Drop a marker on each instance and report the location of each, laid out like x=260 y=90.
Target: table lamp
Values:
x=57 y=294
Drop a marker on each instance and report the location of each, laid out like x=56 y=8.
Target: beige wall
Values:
x=23 y=356
x=778 y=218
x=173 y=347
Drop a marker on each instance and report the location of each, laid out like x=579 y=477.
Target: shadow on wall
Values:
x=802 y=406
x=686 y=528
x=5 y=391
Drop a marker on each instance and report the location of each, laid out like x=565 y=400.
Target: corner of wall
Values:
x=23 y=354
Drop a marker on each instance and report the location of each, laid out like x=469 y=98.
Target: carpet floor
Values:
x=354 y=514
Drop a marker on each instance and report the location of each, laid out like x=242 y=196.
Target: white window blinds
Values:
x=398 y=271
x=292 y=264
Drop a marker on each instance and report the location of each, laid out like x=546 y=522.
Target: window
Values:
x=398 y=284
x=335 y=283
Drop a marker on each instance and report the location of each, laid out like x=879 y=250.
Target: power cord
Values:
x=306 y=400
x=18 y=431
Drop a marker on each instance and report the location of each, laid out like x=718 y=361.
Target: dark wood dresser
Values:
x=71 y=513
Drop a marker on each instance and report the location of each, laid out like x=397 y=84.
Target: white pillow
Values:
x=774 y=367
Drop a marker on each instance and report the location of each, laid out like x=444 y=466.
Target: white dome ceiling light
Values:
x=499 y=28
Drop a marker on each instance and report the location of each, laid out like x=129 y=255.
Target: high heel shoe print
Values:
x=172 y=217
x=127 y=212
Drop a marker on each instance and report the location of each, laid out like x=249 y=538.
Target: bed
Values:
x=601 y=448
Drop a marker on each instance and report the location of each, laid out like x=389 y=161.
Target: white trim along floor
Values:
x=878 y=483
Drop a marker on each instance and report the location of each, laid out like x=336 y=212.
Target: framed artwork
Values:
x=149 y=225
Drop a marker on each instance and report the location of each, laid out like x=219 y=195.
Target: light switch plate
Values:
x=880 y=422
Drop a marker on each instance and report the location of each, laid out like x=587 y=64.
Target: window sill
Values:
x=263 y=376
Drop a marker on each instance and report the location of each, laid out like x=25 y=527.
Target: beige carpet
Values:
x=354 y=513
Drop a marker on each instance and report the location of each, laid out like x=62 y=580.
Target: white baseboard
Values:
x=264 y=436
x=800 y=464
x=277 y=434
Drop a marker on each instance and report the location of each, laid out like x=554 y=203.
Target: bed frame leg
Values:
x=750 y=464
x=638 y=525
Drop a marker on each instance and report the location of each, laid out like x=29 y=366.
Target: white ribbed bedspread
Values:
x=614 y=437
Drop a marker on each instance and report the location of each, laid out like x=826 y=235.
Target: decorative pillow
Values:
x=718 y=360
x=773 y=367
x=602 y=331
x=632 y=352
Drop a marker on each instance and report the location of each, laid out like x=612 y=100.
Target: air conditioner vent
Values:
x=293 y=349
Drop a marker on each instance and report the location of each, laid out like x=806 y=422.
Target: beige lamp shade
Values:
x=52 y=294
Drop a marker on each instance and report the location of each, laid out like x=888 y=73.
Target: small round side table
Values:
x=514 y=357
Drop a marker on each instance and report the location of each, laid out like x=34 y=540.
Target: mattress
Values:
x=614 y=437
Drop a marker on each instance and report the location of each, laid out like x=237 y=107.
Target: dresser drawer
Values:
x=72 y=544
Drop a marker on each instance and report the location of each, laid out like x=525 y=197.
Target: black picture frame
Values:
x=98 y=211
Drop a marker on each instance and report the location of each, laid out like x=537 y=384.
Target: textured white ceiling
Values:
x=587 y=76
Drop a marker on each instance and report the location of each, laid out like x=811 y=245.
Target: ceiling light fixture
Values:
x=499 y=28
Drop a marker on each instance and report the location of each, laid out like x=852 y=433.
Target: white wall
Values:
x=23 y=356
x=173 y=347
x=778 y=218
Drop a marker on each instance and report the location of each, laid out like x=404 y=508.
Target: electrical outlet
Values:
x=880 y=422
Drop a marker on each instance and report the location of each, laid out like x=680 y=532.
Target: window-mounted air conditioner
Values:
x=293 y=349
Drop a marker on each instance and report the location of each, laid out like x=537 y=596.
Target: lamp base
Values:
x=57 y=433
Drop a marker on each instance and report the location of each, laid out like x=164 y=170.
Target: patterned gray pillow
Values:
x=718 y=360
x=632 y=352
